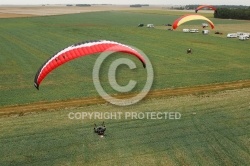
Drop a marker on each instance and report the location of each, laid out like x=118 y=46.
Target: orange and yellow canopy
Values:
x=191 y=17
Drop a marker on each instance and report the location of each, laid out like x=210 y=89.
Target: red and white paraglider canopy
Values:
x=80 y=50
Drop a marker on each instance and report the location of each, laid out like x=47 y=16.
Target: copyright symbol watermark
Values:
x=113 y=82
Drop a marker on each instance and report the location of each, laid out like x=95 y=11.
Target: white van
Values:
x=247 y=34
x=194 y=30
x=204 y=25
x=232 y=35
x=243 y=37
x=239 y=33
x=150 y=26
x=242 y=33
x=205 y=32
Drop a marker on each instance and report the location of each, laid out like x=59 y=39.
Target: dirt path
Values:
x=46 y=106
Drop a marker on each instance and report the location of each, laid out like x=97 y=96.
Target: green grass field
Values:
x=214 y=128
x=26 y=43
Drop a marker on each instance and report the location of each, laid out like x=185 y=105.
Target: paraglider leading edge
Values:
x=82 y=49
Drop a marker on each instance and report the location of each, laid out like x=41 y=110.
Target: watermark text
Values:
x=124 y=115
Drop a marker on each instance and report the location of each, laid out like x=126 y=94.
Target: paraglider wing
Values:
x=190 y=17
x=79 y=50
x=205 y=6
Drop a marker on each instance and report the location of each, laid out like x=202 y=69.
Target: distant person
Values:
x=189 y=51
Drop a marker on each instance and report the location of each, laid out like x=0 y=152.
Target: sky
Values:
x=156 y=2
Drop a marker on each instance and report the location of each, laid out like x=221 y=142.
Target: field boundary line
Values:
x=48 y=106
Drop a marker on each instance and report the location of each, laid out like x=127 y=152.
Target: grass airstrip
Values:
x=213 y=128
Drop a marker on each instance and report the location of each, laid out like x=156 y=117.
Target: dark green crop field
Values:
x=26 y=43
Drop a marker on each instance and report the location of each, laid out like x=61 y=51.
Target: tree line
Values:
x=228 y=11
x=238 y=13
x=193 y=7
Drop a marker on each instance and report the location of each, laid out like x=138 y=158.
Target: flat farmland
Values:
x=213 y=130
x=208 y=88
x=28 y=42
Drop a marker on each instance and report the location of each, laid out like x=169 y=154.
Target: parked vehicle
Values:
x=232 y=35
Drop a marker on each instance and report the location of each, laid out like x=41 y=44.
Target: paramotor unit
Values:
x=80 y=50
x=100 y=129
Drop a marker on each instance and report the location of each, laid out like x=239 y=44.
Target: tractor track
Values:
x=47 y=106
